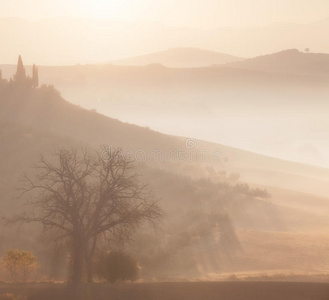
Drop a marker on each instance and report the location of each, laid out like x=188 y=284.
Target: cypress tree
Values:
x=35 y=77
x=20 y=73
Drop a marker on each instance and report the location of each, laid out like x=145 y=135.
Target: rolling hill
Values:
x=180 y=58
x=288 y=61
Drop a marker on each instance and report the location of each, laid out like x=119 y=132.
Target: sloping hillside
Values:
x=44 y=109
x=270 y=171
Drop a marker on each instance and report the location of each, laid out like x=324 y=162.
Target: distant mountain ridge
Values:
x=180 y=58
x=68 y=41
x=288 y=61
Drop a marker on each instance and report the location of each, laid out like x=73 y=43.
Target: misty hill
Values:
x=288 y=61
x=180 y=58
x=220 y=103
x=45 y=110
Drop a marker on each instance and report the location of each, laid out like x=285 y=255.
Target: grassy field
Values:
x=169 y=291
x=305 y=252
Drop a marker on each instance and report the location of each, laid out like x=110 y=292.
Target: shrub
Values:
x=20 y=264
x=117 y=265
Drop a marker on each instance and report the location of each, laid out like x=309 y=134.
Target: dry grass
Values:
x=280 y=253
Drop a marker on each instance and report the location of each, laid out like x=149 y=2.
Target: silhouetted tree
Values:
x=35 y=77
x=85 y=198
x=20 y=75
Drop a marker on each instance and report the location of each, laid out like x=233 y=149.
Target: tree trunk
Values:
x=89 y=266
x=55 y=265
x=77 y=264
x=89 y=259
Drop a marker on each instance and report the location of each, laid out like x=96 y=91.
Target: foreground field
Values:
x=172 y=291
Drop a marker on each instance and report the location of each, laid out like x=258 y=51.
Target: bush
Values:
x=19 y=264
x=117 y=265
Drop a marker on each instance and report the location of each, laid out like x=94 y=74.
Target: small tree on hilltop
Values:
x=20 y=264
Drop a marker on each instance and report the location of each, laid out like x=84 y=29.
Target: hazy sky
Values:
x=192 y=13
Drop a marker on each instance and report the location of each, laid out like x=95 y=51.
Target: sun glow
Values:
x=190 y=13
x=113 y=9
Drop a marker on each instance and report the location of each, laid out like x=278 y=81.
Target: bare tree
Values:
x=88 y=198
